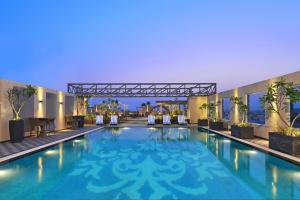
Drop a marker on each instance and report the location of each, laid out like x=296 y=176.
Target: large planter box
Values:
x=174 y=120
x=284 y=143
x=16 y=130
x=79 y=120
x=158 y=121
x=202 y=122
x=218 y=126
x=242 y=132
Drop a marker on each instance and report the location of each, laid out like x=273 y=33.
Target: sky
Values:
x=230 y=42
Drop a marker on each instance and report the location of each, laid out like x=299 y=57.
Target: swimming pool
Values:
x=150 y=163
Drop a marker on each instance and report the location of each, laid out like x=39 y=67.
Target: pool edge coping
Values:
x=18 y=155
x=284 y=156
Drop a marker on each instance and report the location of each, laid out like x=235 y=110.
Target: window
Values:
x=256 y=112
x=226 y=108
x=295 y=110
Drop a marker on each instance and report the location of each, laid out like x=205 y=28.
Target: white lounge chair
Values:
x=151 y=120
x=181 y=119
x=99 y=120
x=114 y=120
x=166 y=119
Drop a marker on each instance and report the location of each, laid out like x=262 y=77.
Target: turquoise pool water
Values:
x=149 y=163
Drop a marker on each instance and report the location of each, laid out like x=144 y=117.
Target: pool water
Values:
x=150 y=163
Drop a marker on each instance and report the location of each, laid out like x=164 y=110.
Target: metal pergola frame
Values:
x=142 y=89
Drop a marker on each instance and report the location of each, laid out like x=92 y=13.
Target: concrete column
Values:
x=194 y=113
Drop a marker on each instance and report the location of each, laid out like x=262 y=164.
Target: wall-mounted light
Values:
x=60 y=103
x=40 y=101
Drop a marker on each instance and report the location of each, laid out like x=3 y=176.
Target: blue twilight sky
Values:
x=231 y=42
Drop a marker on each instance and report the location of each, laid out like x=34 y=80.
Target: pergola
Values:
x=142 y=89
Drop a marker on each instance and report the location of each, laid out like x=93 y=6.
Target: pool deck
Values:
x=10 y=151
x=260 y=144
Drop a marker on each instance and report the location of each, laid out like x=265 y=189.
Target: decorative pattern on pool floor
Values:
x=150 y=163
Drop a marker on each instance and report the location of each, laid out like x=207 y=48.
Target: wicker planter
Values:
x=284 y=143
x=242 y=132
x=202 y=122
x=218 y=126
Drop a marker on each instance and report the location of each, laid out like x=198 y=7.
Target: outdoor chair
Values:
x=99 y=120
x=166 y=120
x=181 y=120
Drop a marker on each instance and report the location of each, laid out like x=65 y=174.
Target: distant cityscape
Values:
x=257 y=116
x=294 y=112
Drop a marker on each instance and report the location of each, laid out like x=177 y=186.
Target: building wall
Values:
x=57 y=107
x=272 y=121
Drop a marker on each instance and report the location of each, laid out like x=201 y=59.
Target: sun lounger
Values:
x=114 y=120
x=166 y=119
x=151 y=120
x=181 y=119
x=99 y=120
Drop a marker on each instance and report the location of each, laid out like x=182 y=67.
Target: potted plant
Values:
x=113 y=107
x=79 y=117
x=277 y=100
x=204 y=108
x=214 y=121
x=242 y=130
x=18 y=98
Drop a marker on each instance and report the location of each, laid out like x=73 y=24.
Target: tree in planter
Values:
x=242 y=108
x=205 y=108
x=211 y=110
x=113 y=106
x=18 y=98
x=277 y=100
x=87 y=104
x=80 y=105
x=103 y=108
x=148 y=103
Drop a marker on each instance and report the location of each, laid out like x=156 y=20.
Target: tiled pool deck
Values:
x=9 y=151
x=260 y=144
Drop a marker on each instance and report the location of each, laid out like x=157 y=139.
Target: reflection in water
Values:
x=6 y=173
x=51 y=152
x=116 y=131
x=249 y=152
x=217 y=148
x=236 y=159
x=40 y=168
x=166 y=160
x=265 y=174
x=274 y=182
x=60 y=160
